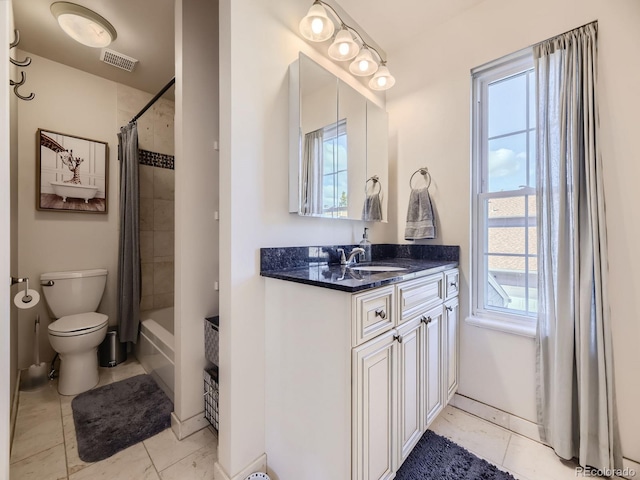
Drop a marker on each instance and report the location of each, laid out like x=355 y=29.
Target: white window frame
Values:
x=520 y=324
x=331 y=133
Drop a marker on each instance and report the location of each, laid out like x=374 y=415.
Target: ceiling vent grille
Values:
x=118 y=60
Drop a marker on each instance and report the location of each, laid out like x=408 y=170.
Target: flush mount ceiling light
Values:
x=83 y=25
x=317 y=26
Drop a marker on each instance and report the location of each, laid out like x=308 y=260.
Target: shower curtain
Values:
x=129 y=277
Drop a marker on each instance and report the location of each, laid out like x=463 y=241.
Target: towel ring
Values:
x=424 y=171
x=376 y=181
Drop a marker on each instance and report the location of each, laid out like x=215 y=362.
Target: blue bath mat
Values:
x=113 y=417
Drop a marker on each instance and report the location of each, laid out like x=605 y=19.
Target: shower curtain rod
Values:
x=154 y=100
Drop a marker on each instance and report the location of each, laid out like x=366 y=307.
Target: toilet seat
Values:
x=79 y=324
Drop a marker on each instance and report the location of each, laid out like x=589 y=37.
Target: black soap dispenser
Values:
x=365 y=244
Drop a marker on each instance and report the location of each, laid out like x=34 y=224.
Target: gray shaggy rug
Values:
x=113 y=417
x=436 y=458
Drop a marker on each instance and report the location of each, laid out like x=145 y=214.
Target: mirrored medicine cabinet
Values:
x=338 y=147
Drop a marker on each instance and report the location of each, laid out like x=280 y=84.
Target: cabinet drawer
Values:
x=451 y=283
x=373 y=314
x=419 y=294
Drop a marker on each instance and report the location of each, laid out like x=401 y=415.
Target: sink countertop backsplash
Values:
x=320 y=265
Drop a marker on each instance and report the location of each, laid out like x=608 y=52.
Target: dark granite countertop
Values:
x=337 y=277
x=319 y=265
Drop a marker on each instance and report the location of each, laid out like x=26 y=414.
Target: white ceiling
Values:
x=395 y=24
x=145 y=32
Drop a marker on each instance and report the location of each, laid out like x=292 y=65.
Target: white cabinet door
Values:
x=450 y=330
x=374 y=404
x=410 y=386
x=432 y=364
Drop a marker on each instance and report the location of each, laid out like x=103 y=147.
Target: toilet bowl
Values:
x=73 y=298
x=76 y=339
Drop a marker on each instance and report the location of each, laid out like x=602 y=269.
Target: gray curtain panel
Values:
x=312 y=157
x=576 y=398
x=129 y=277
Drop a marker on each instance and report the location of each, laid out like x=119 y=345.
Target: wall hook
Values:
x=16 y=34
x=25 y=63
x=16 y=85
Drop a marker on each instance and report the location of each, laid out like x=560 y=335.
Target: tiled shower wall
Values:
x=157 y=195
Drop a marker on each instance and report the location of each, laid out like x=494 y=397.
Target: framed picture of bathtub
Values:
x=72 y=173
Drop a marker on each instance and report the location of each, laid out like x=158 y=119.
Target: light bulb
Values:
x=343 y=46
x=364 y=64
x=317 y=25
x=382 y=80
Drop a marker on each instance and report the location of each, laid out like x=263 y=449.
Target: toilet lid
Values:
x=78 y=324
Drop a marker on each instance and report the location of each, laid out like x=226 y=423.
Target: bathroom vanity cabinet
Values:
x=354 y=380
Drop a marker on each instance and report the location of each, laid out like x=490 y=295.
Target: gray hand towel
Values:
x=421 y=222
x=372 y=208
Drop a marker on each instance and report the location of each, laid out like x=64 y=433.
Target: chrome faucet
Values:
x=351 y=258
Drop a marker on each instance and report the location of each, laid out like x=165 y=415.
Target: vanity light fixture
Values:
x=83 y=25
x=317 y=26
x=382 y=79
x=364 y=64
x=344 y=47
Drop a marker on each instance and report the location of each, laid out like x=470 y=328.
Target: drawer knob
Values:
x=425 y=320
x=449 y=309
x=381 y=313
x=454 y=284
x=398 y=338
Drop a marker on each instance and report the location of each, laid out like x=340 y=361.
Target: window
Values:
x=334 y=170
x=504 y=193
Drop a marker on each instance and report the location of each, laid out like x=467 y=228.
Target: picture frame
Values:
x=72 y=173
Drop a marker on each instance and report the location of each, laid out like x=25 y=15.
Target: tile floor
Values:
x=522 y=457
x=44 y=443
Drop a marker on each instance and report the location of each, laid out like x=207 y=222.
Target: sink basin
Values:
x=377 y=268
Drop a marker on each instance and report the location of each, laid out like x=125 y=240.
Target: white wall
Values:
x=7 y=377
x=430 y=115
x=13 y=143
x=76 y=103
x=254 y=204
x=196 y=198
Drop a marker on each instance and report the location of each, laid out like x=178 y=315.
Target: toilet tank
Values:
x=78 y=291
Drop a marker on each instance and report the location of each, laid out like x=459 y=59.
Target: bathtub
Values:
x=154 y=349
x=74 y=190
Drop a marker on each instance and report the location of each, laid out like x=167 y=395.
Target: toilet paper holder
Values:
x=14 y=280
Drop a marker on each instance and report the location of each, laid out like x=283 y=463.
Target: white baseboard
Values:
x=498 y=417
x=258 y=465
x=184 y=428
x=517 y=424
x=14 y=409
x=630 y=467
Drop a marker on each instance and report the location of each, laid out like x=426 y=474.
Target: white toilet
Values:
x=73 y=298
